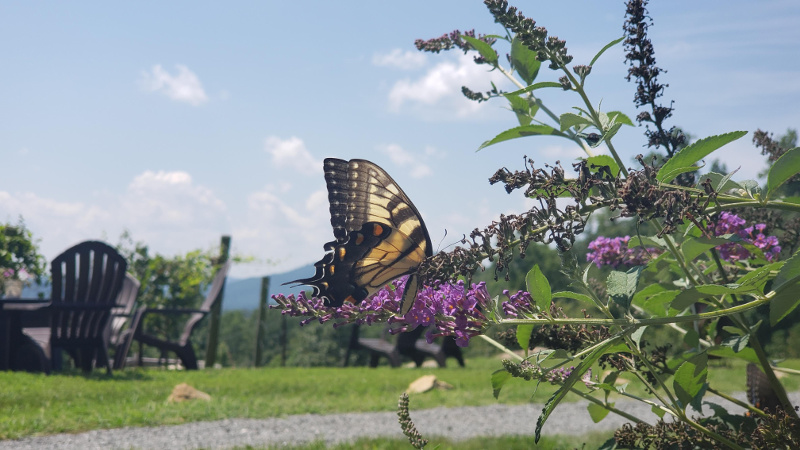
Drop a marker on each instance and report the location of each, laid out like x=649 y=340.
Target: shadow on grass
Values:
x=101 y=375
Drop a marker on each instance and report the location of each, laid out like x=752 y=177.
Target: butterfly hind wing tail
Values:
x=409 y=294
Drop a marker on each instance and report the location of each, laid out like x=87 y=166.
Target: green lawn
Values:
x=35 y=404
x=592 y=440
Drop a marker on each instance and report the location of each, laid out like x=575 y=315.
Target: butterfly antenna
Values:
x=439 y=245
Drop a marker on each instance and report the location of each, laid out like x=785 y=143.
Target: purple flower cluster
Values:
x=728 y=223
x=615 y=252
x=452 y=308
x=519 y=304
x=557 y=376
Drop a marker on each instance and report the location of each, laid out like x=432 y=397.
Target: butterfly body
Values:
x=379 y=235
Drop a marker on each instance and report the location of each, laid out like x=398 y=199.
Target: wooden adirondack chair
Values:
x=86 y=281
x=183 y=346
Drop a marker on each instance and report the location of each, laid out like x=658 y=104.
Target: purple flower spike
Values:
x=453 y=309
x=615 y=252
x=728 y=223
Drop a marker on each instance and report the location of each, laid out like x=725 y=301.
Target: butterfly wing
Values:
x=379 y=234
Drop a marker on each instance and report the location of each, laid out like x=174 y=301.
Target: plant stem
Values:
x=501 y=347
x=654 y=321
x=736 y=401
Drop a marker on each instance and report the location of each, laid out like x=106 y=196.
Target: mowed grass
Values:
x=35 y=404
x=521 y=442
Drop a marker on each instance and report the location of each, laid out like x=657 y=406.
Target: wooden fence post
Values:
x=216 y=309
x=262 y=321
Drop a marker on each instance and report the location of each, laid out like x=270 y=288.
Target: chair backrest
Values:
x=86 y=281
x=217 y=287
x=124 y=304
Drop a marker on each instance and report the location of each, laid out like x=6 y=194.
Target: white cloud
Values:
x=405 y=159
x=170 y=199
x=293 y=232
x=292 y=153
x=167 y=210
x=437 y=93
x=183 y=87
x=400 y=59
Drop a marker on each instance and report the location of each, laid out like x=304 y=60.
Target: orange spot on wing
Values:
x=342 y=251
x=377 y=230
x=350 y=299
x=359 y=239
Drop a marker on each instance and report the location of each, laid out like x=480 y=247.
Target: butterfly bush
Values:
x=614 y=252
x=729 y=223
x=449 y=309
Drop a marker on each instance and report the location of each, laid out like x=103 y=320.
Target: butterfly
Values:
x=379 y=235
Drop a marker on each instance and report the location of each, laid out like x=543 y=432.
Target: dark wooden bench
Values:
x=407 y=344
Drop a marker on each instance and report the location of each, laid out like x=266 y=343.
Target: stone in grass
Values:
x=425 y=383
x=183 y=392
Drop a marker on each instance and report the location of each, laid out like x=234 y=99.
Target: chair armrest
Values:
x=81 y=306
x=173 y=311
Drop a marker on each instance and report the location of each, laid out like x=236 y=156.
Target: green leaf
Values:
x=569 y=120
x=784 y=303
x=535 y=86
x=795 y=200
x=524 y=107
x=483 y=48
x=690 y=378
x=789 y=272
x=610 y=133
x=622 y=285
x=524 y=331
x=667 y=177
x=759 y=277
x=647 y=241
x=524 y=61
x=636 y=336
x=518 y=132
x=747 y=354
x=691 y=338
x=751 y=187
x=645 y=293
x=573 y=378
x=575 y=296
x=602 y=160
x=721 y=183
x=657 y=304
x=736 y=343
x=619 y=117
x=608 y=46
x=695 y=152
x=657 y=411
x=499 y=378
x=734 y=330
x=598 y=412
x=692 y=248
x=539 y=288
x=695 y=294
x=787 y=166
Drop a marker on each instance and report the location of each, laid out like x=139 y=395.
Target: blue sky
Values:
x=182 y=121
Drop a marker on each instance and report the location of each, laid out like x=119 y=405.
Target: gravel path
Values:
x=453 y=423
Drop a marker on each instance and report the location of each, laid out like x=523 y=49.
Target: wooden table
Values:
x=16 y=313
